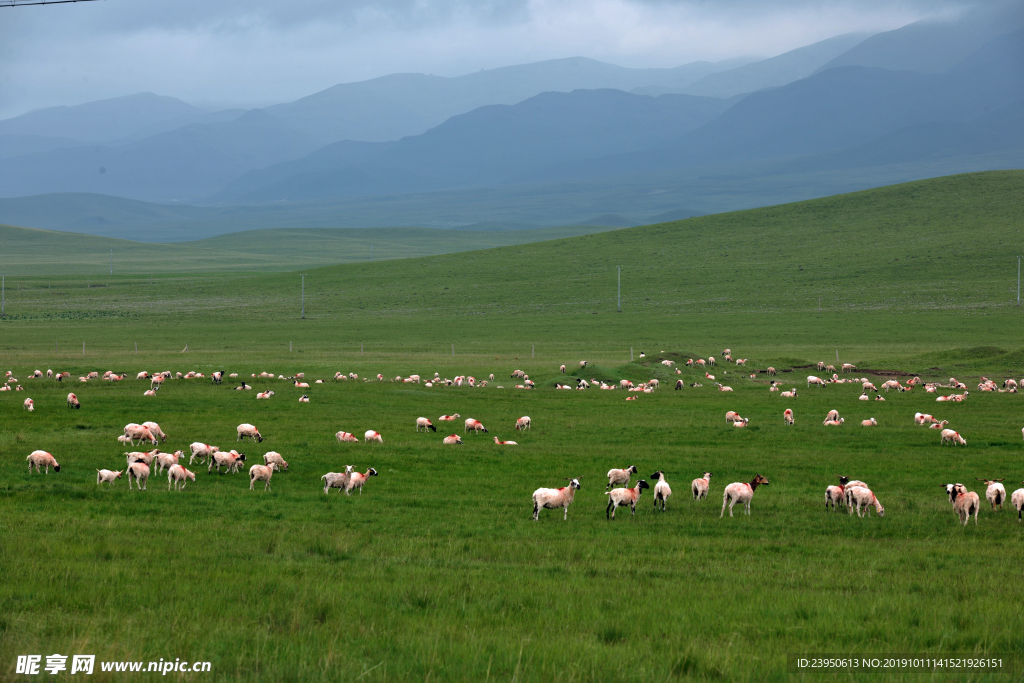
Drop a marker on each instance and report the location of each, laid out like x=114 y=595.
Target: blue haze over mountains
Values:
x=564 y=141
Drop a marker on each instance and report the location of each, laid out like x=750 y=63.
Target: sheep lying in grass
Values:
x=555 y=498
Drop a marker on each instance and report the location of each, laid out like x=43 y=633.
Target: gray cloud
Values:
x=254 y=52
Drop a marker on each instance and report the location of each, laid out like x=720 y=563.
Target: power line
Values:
x=23 y=3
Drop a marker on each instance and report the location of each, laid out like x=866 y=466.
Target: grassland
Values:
x=436 y=571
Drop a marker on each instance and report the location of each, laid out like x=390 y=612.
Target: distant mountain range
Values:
x=426 y=150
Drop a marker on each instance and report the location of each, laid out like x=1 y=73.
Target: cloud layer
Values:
x=235 y=53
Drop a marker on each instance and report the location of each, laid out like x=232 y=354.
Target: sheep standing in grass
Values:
x=165 y=461
x=201 y=452
x=741 y=492
x=154 y=429
x=358 y=480
x=424 y=424
x=231 y=460
x=1017 y=499
x=346 y=437
x=275 y=458
x=555 y=498
x=523 y=423
x=964 y=502
x=42 y=459
x=29 y=405
x=177 y=474
x=995 y=494
x=140 y=433
x=836 y=495
x=141 y=456
x=622 y=497
x=337 y=480
x=73 y=401
x=787 y=416
x=107 y=476
x=953 y=437
x=475 y=425
x=662 y=491
x=261 y=473
x=371 y=435
x=139 y=471
x=700 y=487
x=248 y=431
x=616 y=477
x=862 y=498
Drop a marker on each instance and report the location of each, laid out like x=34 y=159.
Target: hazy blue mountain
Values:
x=934 y=46
x=785 y=68
x=399 y=105
x=488 y=145
x=179 y=165
x=100 y=121
x=16 y=144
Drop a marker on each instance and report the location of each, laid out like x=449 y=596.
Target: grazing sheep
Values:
x=337 y=480
x=73 y=401
x=452 y=440
x=741 y=492
x=155 y=429
x=523 y=423
x=616 y=477
x=357 y=479
x=107 y=476
x=871 y=422
x=679 y=384
x=787 y=416
x=177 y=474
x=42 y=459
x=836 y=495
x=141 y=456
x=140 y=472
x=939 y=425
x=139 y=432
x=662 y=491
x=275 y=458
x=622 y=497
x=862 y=497
x=555 y=498
x=1017 y=498
x=201 y=452
x=700 y=487
x=562 y=369
x=847 y=367
x=953 y=437
x=425 y=424
x=731 y=416
x=248 y=431
x=832 y=415
x=29 y=405
x=475 y=425
x=371 y=435
x=995 y=494
x=346 y=437
x=232 y=460
x=261 y=473
x=811 y=379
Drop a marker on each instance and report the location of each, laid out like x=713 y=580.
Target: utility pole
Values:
x=303 y=297
x=111 y=261
x=3 y=294
x=620 y=290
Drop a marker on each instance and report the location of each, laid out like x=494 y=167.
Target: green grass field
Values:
x=436 y=571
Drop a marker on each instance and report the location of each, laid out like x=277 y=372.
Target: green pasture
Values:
x=437 y=571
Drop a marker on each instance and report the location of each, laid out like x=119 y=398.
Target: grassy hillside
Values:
x=48 y=253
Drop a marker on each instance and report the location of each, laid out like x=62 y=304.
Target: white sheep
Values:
x=964 y=502
x=357 y=479
x=700 y=486
x=303 y=399
x=29 y=405
x=836 y=495
x=995 y=494
x=475 y=425
x=662 y=491
x=201 y=452
x=862 y=497
x=371 y=435
x=811 y=379
x=523 y=423
x=107 y=476
x=731 y=416
x=741 y=492
x=139 y=432
x=953 y=437
x=622 y=476
x=275 y=457
x=140 y=472
x=788 y=394
x=504 y=443
x=141 y=456
x=741 y=422
x=452 y=440
x=232 y=460
x=154 y=428
x=248 y=431
x=73 y=401
x=424 y=424
x=337 y=480
x=177 y=474
x=555 y=498
x=870 y=422
x=622 y=497
x=346 y=437
x=261 y=473
x=167 y=460
x=787 y=416
x=1017 y=498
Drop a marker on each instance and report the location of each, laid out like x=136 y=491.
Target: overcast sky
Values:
x=246 y=53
